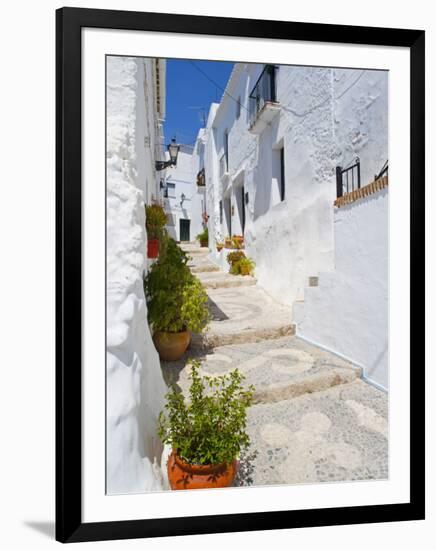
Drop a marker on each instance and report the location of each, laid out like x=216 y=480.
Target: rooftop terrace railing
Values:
x=347 y=179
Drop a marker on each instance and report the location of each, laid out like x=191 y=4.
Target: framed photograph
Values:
x=240 y=274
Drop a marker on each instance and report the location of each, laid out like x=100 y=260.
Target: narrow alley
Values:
x=313 y=419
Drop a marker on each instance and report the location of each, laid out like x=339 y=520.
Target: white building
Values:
x=184 y=195
x=272 y=147
x=135 y=387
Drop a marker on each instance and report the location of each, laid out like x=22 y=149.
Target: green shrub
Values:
x=210 y=427
x=176 y=300
x=155 y=221
x=233 y=257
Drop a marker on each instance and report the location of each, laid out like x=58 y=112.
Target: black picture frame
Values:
x=69 y=22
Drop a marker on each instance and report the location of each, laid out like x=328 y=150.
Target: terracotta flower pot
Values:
x=204 y=242
x=244 y=269
x=171 y=345
x=152 y=248
x=182 y=475
x=219 y=247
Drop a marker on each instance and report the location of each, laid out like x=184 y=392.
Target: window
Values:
x=226 y=148
x=221 y=212
x=278 y=175
x=238 y=108
x=282 y=174
x=171 y=190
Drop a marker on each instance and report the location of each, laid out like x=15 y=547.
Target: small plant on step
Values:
x=244 y=266
x=233 y=257
x=203 y=237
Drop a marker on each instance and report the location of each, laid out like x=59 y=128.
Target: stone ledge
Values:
x=357 y=194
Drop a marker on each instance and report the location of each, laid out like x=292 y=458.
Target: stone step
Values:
x=196 y=250
x=203 y=267
x=224 y=280
x=244 y=314
x=279 y=369
x=340 y=434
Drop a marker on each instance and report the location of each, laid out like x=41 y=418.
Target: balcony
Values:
x=263 y=103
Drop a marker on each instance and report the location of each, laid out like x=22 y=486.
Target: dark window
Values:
x=221 y=211
x=238 y=108
x=226 y=148
x=243 y=209
x=282 y=174
x=171 y=190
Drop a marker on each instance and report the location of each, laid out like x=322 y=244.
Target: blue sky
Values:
x=188 y=91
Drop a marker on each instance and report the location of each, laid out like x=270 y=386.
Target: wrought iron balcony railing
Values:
x=264 y=92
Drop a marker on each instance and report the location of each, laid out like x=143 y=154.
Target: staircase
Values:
x=313 y=418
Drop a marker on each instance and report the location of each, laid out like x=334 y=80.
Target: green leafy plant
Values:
x=155 y=221
x=203 y=237
x=244 y=266
x=210 y=426
x=233 y=257
x=175 y=298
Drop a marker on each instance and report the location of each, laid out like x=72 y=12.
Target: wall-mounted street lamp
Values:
x=182 y=199
x=173 y=150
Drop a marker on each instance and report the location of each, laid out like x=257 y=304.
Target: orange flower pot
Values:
x=182 y=475
x=171 y=345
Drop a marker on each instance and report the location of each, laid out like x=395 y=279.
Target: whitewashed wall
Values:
x=183 y=177
x=327 y=118
x=348 y=311
x=212 y=180
x=198 y=203
x=135 y=387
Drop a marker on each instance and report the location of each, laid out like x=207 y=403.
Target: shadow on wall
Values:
x=262 y=174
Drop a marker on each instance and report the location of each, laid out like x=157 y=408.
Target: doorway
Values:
x=185 y=226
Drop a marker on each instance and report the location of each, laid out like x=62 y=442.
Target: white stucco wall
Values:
x=327 y=118
x=134 y=383
x=348 y=311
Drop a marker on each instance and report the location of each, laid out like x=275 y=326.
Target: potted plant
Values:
x=155 y=221
x=219 y=246
x=203 y=237
x=228 y=242
x=233 y=257
x=206 y=431
x=244 y=266
x=238 y=241
x=177 y=303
